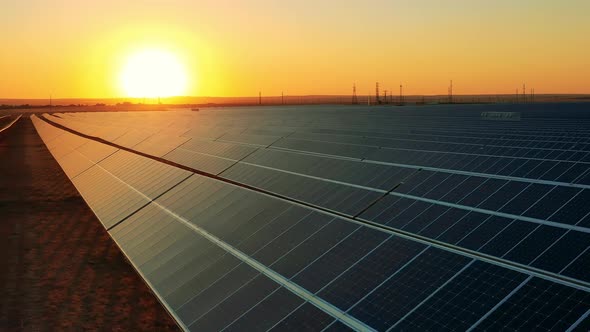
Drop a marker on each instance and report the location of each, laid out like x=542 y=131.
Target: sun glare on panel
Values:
x=153 y=73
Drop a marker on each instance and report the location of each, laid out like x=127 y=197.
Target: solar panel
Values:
x=334 y=217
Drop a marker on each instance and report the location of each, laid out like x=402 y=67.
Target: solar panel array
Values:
x=333 y=218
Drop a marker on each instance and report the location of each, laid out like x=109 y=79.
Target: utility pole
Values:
x=523 y=93
x=401 y=97
x=259 y=98
x=385 y=97
x=451 y=92
x=282 y=98
x=354 y=97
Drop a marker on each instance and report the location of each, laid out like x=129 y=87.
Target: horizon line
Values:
x=297 y=95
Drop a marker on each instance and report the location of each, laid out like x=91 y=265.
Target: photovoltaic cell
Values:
x=305 y=318
x=369 y=272
x=460 y=303
x=338 y=259
x=267 y=313
x=407 y=288
x=539 y=305
x=563 y=251
x=231 y=308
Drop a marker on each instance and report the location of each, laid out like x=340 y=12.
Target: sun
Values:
x=152 y=73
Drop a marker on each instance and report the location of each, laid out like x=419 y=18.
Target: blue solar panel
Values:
x=333 y=218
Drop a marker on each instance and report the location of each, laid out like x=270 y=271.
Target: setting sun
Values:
x=153 y=73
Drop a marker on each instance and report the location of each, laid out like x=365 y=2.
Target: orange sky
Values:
x=236 y=48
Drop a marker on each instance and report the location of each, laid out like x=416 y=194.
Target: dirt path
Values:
x=59 y=268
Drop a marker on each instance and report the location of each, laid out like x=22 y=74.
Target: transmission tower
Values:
x=377 y=100
x=355 y=100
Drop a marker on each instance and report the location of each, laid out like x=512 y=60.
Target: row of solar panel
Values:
x=567 y=175
x=450 y=225
x=371 y=275
x=545 y=164
x=359 y=122
x=497 y=217
x=504 y=166
x=548 y=129
x=522 y=149
x=559 y=253
x=516 y=137
x=443 y=141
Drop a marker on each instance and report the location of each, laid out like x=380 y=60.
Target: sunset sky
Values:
x=78 y=48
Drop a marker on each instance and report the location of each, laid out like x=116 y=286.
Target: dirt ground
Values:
x=59 y=268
